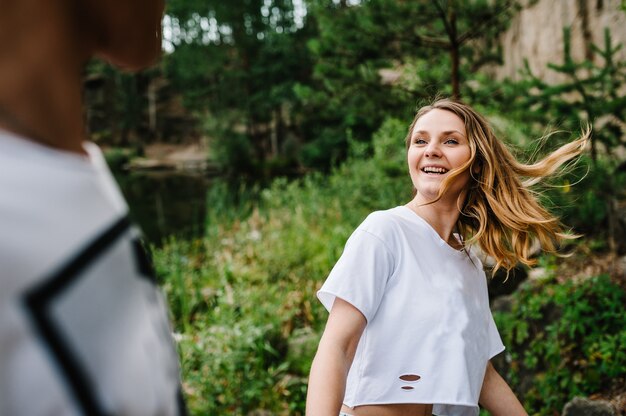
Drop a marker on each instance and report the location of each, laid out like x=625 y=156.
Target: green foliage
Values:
x=239 y=61
x=233 y=153
x=117 y=104
x=297 y=78
x=590 y=93
x=389 y=147
x=565 y=340
x=117 y=157
x=346 y=96
x=243 y=298
x=424 y=45
x=580 y=197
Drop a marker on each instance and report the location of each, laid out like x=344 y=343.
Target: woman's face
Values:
x=438 y=145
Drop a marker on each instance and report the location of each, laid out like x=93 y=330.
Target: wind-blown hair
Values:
x=500 y=212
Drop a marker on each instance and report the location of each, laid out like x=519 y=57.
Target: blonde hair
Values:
x=500 y=212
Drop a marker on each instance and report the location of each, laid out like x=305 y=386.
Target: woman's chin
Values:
x=426 y=195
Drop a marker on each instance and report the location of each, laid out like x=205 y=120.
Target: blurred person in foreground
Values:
x=83 y=327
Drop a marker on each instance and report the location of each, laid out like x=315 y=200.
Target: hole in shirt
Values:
x=407 y=388
x=409 y=377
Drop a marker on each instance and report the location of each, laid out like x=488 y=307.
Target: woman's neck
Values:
x=441 y=215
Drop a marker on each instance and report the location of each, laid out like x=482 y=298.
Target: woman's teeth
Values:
x=434 y=170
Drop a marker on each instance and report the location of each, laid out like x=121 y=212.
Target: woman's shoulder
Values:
x=384 y=224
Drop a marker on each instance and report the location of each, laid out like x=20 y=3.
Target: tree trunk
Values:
x=152 y=107
x=454 y=56
x=274 y=132
x=583 y=9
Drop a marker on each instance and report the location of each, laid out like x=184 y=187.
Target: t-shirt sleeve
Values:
x=360 y=275
x=495 y=342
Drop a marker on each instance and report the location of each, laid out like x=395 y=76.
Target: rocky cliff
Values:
x=536 y=34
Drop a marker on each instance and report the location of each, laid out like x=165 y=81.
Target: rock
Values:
x=544 y=19
x=584 y=407
x=502 y=304
x=502 y=283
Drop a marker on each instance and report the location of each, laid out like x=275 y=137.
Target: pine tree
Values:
x=593 y=92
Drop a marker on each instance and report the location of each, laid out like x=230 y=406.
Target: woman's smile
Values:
x=434 y=170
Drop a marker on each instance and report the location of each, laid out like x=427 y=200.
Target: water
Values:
x=166 y=203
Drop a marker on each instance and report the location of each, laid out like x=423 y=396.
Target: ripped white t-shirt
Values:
x=429 y=332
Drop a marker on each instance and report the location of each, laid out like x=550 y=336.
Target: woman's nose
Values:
x=432 y=150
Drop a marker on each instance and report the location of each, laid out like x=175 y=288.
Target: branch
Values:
x=433 y=42
x=444 y=18
x=475 y=32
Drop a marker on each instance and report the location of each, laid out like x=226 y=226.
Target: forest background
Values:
x=301 y=109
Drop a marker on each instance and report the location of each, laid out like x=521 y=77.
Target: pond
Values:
x=165 y=203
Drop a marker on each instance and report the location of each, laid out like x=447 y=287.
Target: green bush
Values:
x=565 y=340
x=243 y=298
x=582 y=196
x=117 y=157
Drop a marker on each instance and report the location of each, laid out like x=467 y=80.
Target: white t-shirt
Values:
x=83 y=326
x=429 y=332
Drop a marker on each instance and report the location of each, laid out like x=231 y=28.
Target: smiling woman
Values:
x=410 y=331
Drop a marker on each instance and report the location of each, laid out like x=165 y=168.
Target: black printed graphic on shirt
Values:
x=105 y=325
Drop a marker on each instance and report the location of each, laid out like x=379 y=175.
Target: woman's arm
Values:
x=327 y=381
x=497 y=397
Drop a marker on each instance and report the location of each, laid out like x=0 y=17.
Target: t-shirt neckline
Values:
x=415 y=217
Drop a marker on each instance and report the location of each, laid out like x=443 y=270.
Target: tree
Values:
x=440 y=41
x=117 y=104
x=236 y=63
x=453 y=25
x=592 y=92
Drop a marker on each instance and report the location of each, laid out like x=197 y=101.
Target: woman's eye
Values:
x=451 y=140
x=419 y=140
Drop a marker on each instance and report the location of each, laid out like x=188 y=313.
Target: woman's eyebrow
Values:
x=443 y=133
x=453 y=131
